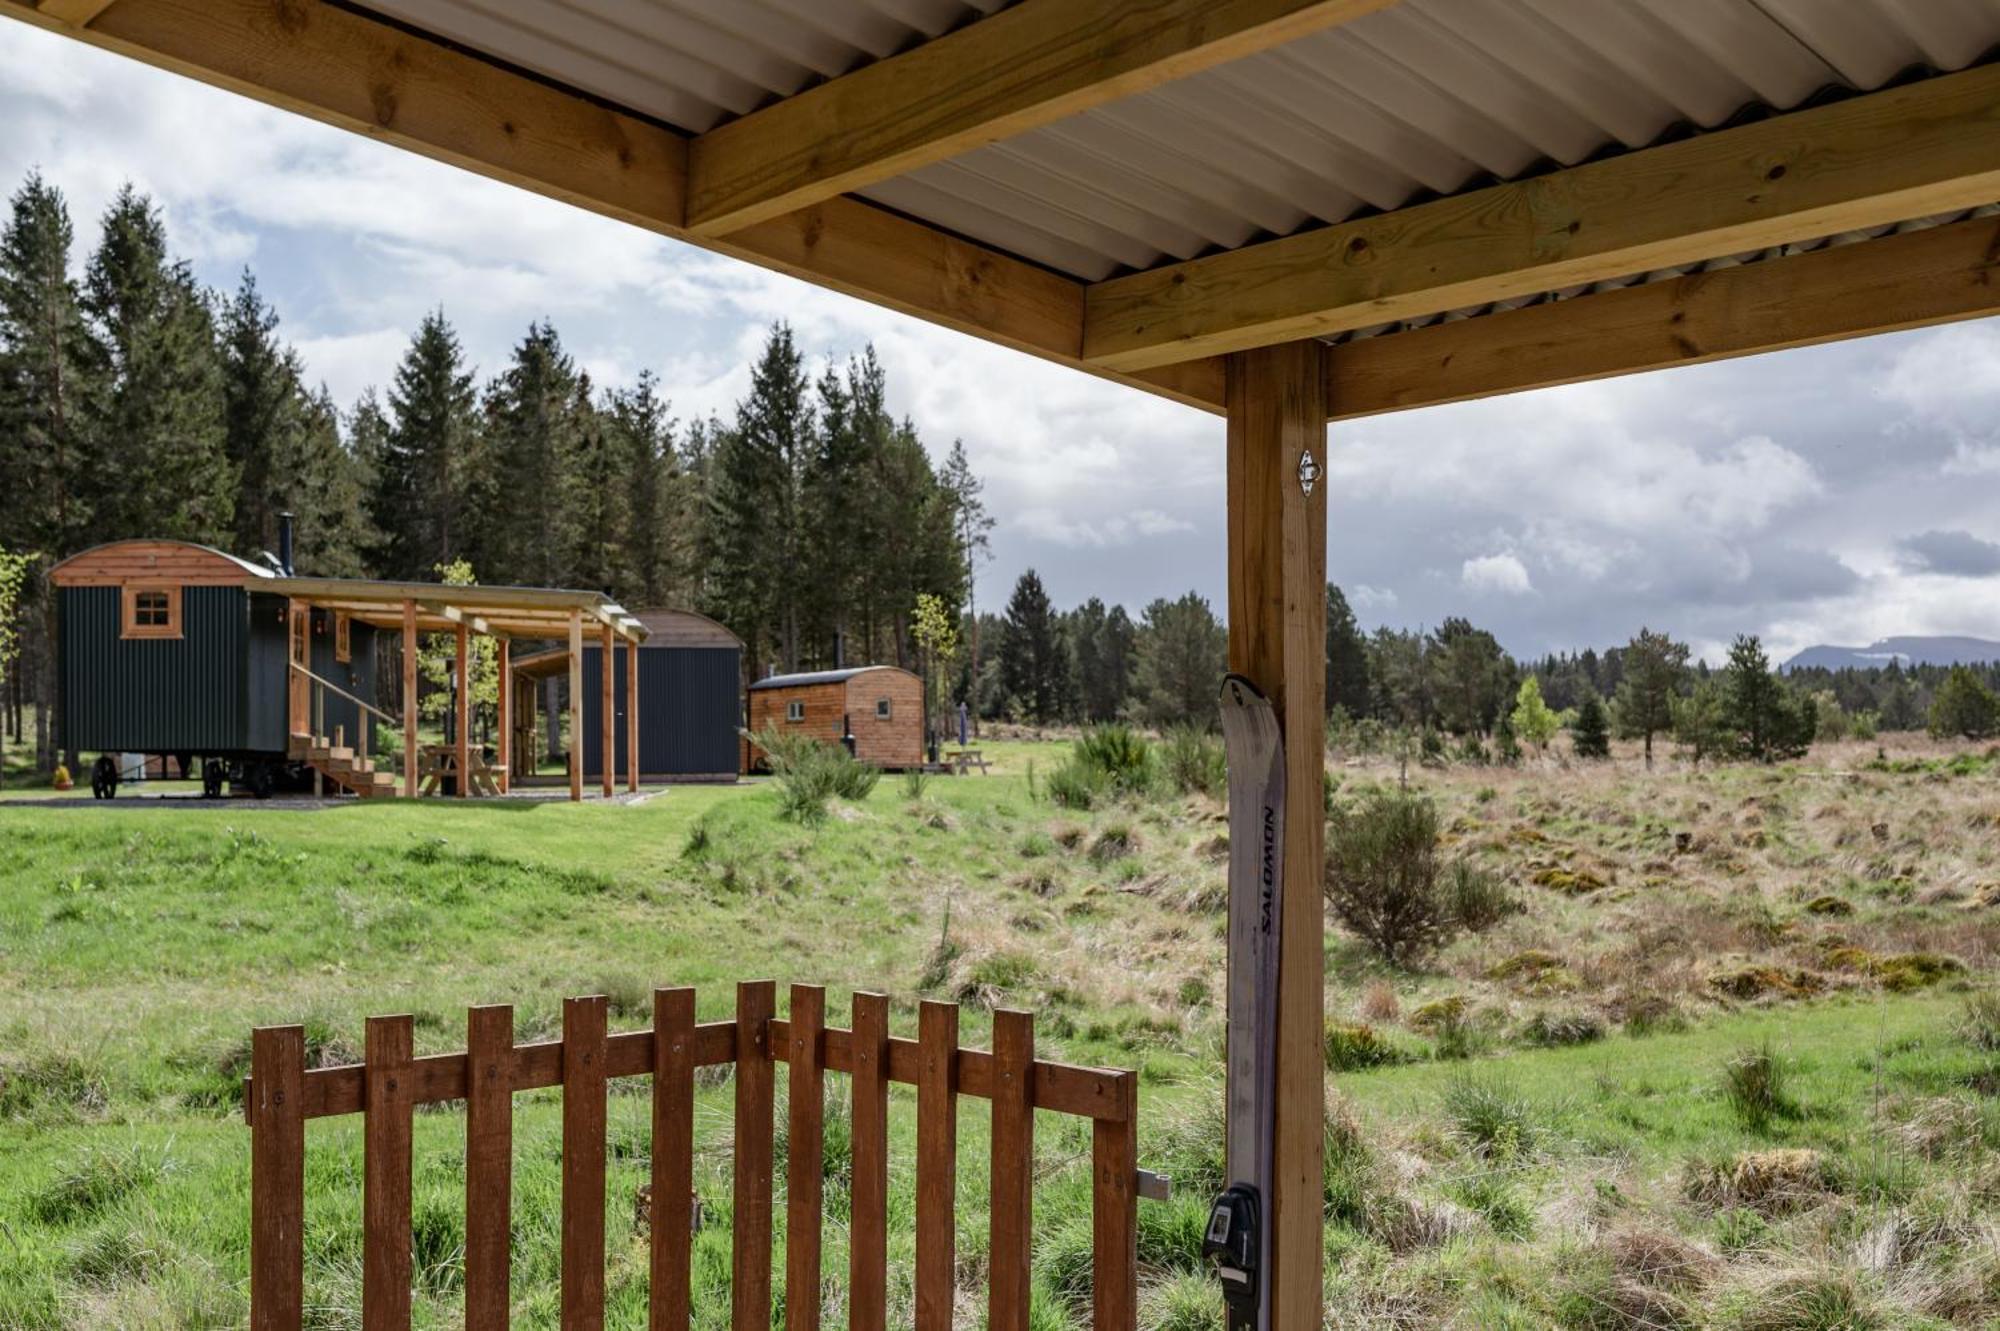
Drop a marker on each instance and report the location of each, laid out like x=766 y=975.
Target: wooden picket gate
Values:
x=281 y=1094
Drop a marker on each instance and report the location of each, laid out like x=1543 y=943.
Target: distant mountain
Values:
x=1907 y=651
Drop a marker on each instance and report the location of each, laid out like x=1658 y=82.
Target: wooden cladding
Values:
x=281 y=1095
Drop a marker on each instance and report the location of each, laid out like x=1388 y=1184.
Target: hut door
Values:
x=522 y=752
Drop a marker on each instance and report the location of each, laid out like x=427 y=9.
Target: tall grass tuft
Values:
x=1492 y=1117
x=1979 y=1020
x=1754 y=1084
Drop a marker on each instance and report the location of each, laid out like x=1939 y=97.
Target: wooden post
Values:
x=750 y=1252
x=632 y=717
x=409 y=699
x=277 y=1177
x=937 y=1164
x=1114 y=1214
x=463 y=715
x=583 y=1109
x=385 y=1179
x=1011 y=1219
x=576 y=704
x=673 y=1158
x=607 y=722
x=868 y=1206
x=489 y=1164
x=1277 y=639
x=504 y=745
x=298 y=650
x=805 y=1162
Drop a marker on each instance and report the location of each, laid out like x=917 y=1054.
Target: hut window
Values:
x=343 y=639
x=795 y=711
x=882 y=709
x=151 y=612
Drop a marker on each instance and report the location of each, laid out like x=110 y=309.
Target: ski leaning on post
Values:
x=1238 y=1235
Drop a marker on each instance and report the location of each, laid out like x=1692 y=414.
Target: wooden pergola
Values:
x=533 y=614
x=1288 y=212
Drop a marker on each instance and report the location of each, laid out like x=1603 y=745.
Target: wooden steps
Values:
x=339 y=764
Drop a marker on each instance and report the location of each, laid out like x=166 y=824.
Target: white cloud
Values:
x=1495 y=573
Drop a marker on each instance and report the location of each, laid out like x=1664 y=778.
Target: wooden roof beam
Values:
x=1030 y=64
x=1913 y=280
x=1907 y=152
x=459 y=616
x=79 y=12
x=345 y=69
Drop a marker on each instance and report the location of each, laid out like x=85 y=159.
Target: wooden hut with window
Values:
x=881 y=707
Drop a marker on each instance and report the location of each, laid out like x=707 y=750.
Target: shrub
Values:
x=1553 y=1030
x=1382 y=876
x=1120 y=754
x=1076 y=785
x=1754 y=1083
x=1352 y=1046
x=1194 y=761
x=1478 y=897
x=914 y=781
x=810 y=774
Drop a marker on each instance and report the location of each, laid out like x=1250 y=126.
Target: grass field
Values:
x=1728 y=1062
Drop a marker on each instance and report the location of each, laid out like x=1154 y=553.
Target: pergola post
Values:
x=576 y=704
x=632 y=716
x=1277 y=640
x=463 y=717
x=298 y=650
x=409 y=700
x=607 y=723
x=504 y=748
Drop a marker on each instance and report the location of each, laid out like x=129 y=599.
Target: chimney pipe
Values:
x=285 y=545
x=839 y=650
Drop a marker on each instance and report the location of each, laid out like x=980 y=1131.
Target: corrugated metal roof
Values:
x=1423 y=98
x=817 y=677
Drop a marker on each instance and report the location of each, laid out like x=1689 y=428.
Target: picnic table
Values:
x=964 y=760
x=435 y=762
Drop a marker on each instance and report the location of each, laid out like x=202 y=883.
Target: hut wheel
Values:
x=214 y=778
x=104 y=777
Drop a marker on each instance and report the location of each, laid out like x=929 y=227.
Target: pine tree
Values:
x=1471 y=676
x=322 y=481
x=640 y=434
x=160 y=442
x=538 y=516
x=1653 y=666
x=1182 y=653
x=1590 y=736
x=1964 y=707
x=973 y=527
x=1346 y=657
x=420 y=479
x=46 y=449
x=261 y=413
x=1035 y=664
x=1105 y=642
x=1701 y=721
x=1768 y=723
x=755 y=540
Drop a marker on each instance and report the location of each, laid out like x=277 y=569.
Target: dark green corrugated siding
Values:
x=156 y=695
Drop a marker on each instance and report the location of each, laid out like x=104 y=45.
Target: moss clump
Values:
x=1914 y=970
x=1532 y=962
x=1848 y=958
x=1569 y=882
x=1828 y=904
x=1748 y=982
x=1440 y=1012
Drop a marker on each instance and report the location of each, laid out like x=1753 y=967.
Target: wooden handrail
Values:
x=328 y=684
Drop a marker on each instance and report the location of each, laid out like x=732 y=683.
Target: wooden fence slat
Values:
x=1114 y=1215
x=937 y=1163
x=1013 y=1171
x=868 y=1202
x=277 y=1178
x=673 y=1158
x=385 y=1175
x=805 y=1163
x=489 y=1165
x=750 y=1284
x=583 y=1083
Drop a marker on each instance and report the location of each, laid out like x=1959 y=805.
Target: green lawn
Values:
x=138 y=947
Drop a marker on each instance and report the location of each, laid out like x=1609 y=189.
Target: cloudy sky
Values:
x=1838 y=494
